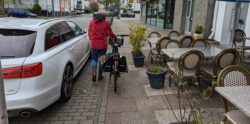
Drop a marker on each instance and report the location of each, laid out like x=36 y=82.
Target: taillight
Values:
x=23 y=71
x=115 y=57
x=12 y=72
x=32 y=70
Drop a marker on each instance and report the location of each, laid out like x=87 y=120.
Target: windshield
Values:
x=16 y=43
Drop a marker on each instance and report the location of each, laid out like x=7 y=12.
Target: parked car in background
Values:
x=40 y=58
x=20 y=13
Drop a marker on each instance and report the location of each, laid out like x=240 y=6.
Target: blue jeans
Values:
x=96 y=53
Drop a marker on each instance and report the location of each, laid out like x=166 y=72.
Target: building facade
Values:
x=223 y=21
x=59 y=6
x=180 y=15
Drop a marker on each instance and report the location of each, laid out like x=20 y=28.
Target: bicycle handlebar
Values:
x=122 y=35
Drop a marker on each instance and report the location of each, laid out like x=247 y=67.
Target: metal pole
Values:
x=235 y=22
x=47 y=7
x=53 y=10
x=3 y=111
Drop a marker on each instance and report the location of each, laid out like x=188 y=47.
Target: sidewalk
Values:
x=135 y=101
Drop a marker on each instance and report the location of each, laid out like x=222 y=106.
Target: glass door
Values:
x=189 y=17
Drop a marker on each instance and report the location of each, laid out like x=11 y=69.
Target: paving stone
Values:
x=113 y=118
x=65 y=118
x=71 y=122
x=145 y=117
x=150 y=103
x=87 y=122
x=121 y=105
x=56 y=122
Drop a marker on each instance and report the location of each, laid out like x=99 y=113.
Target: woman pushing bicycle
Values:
x=98 y=31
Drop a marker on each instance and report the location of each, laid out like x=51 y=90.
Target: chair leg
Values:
x=170 y=80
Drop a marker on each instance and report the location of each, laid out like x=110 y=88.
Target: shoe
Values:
x=100 y=77
x=94 y=78
x=94 y=75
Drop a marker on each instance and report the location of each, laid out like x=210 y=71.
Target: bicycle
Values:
x=116 y=62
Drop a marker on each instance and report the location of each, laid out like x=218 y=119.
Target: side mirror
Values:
x=84 y=31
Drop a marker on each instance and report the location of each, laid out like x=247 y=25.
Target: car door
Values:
x=68 y=35
x=83 y=43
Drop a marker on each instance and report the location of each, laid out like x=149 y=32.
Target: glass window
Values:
x=65 y=31
x=52 y=38
x=160 y=13
x=16 y=43
x=75 y=28
x=169 y=13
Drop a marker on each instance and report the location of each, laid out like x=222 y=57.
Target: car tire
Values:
x=67 y=84
x=10 y=15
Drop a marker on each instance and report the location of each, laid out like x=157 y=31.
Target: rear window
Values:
x=16 y=43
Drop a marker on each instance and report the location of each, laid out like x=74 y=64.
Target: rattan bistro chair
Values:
x=234 y=76
x=225 y=58
x=186 y=41
x=200 y=43
x=240 y=42
x=171 y=44
x=188 y=68
x=153 y=34
x=156 y=54
x=174 y=34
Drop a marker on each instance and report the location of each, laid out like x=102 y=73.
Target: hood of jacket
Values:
x=99 y=17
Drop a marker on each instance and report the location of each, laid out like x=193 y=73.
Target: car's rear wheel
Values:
x=67 y=84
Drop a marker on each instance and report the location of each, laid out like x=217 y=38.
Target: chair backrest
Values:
x=191 y=60
x=154 y=34
x=174 y=34
x=161 y=43
x=239 y=38
x=186 y=41
x=225 y=58
x=234 y=75
x=172 y=44
x=200 y=43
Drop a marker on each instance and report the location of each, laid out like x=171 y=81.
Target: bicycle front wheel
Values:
x=115 y=81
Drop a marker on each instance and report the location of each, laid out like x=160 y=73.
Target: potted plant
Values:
x=198 y=32
x=156 y=76
x=137 y=38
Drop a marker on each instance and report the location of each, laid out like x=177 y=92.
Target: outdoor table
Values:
x=238 y=96
x=175 y=53
x=153 y=40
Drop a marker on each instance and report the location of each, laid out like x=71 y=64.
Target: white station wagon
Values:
x=39 y=59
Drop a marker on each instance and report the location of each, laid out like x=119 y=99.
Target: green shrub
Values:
x=199 y=29
x=87 y=9
x=137 y=38
x=156 y=69
x=36 y=9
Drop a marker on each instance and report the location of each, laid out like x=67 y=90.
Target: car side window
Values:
x=52 y=38
x=75 y=28
x=65 y=31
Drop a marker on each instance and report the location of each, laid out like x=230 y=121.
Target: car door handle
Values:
x=71 y=49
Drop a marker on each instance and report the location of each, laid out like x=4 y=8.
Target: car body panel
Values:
x=39 y=92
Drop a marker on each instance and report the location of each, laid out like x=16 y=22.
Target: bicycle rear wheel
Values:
x=115 y=81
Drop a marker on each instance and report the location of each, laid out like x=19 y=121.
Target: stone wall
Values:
x=203 y=15
x=179 y=15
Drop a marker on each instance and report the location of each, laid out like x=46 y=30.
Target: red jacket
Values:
x=98 y=32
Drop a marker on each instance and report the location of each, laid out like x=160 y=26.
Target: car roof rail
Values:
x=50 y=20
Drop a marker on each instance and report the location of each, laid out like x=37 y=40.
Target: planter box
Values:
x=138 y=60
x=156 y=80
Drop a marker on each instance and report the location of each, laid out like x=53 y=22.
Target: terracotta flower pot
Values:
x=197 y=36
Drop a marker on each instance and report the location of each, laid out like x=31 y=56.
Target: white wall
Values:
x=247 y=28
